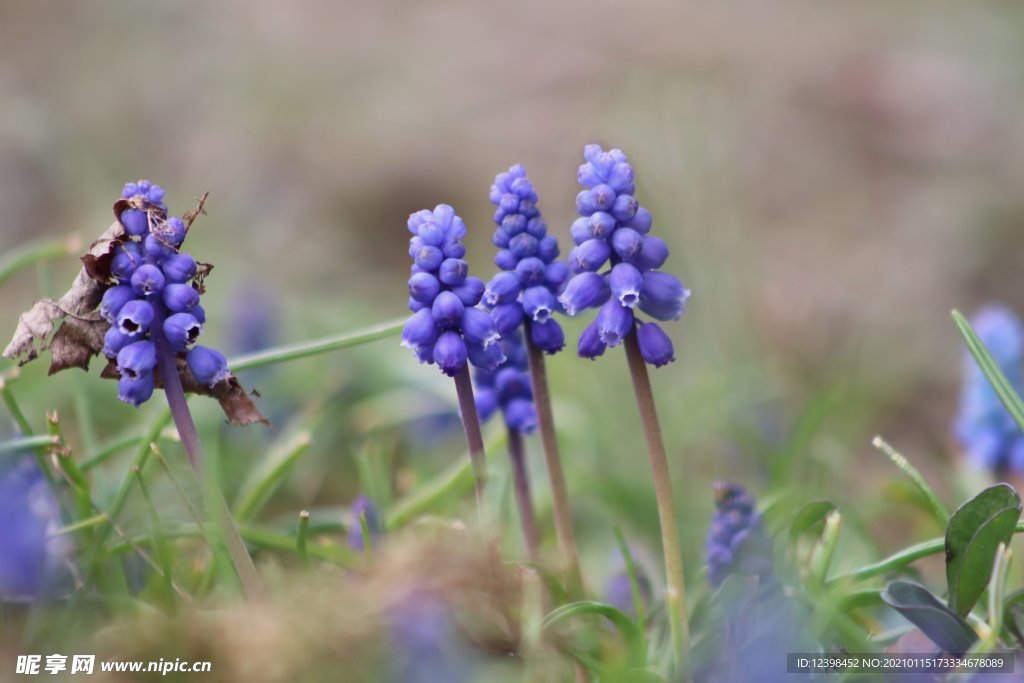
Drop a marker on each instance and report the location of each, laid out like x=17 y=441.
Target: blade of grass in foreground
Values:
x=941 y=513
x=282 y=354
x=37 y=252
x=991 y=369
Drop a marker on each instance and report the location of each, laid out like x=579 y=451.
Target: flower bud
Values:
x=584 y=290
x=507 y=317
x=447 y=310
x=470 y=292
x=590 y=344
x=655 y=345
x=538 y=303
x=547 y=336
x=478 y=327
x=424 y=287
x=181 y=330
x=147 y=280
x=135 y=391
x=625 y=282
x=134 y=318
x=113 y=299
x=450 y=353
x=179 y=268
x=135 y=222
x=663 y=296
x=136 y=359
x=180 y=298
x=614 y=322
x=207 y=365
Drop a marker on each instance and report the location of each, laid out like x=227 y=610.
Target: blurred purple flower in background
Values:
x=29 y=559
x=736 y=541
x=987 y=432
x=618 y=589
x=374 y=525
x=426 y=647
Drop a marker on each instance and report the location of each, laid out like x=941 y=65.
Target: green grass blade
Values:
x=901 y=559
x=453 y=482
x=995 y=376
x=302 y=538
x=941 y=513
x=260 y=484
x=34 y=253
x=28 y=443
x=282 y=354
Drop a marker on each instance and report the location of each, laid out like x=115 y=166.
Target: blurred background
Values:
x=832 y=179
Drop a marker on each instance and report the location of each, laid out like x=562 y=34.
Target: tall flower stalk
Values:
x=507 y=388
x=613 y=230
x=446 y=327
x=155 y=319
x=525 y=295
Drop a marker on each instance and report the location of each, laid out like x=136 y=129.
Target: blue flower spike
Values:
x=154 y=301
x=988 y=434
x=446 y=328
x=616 y=263
x=531 y=278
x=736 y=541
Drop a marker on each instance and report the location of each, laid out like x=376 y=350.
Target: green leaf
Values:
x=944 y=627
x=972 y=538
x=808 y=517
x=266 y=477
x=627 y=627
x=992 y=371
x=282 y=354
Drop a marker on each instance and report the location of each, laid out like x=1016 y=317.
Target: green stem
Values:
x=28 y=442
x=289 y=352
x=178 y=403
x=553 y=461
x=675 y=595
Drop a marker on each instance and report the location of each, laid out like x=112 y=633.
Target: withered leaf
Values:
x=81 y=330
x=234 y=401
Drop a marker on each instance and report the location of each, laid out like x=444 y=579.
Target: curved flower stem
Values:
x=553 y=460
x=675 y=595
x=474 y=438
x=524 y=502
x=252 y=586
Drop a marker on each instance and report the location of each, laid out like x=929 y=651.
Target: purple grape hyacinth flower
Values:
x=155 y=301
x=364 y=505
x=531 y=278
x=613 y=230
x=507 y=388
x=736 y=540
x=990 y=438
x=29 y=553
x=446 y=328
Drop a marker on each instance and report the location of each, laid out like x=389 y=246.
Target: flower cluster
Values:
x=153 y=302
x=508 y=387
x=446 y=327
x=618 y=590
x=614 y=229
x=736 y=541
x=989 y=435
x=531 y=277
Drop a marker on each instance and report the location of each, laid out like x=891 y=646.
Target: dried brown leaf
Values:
x=238 y=407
